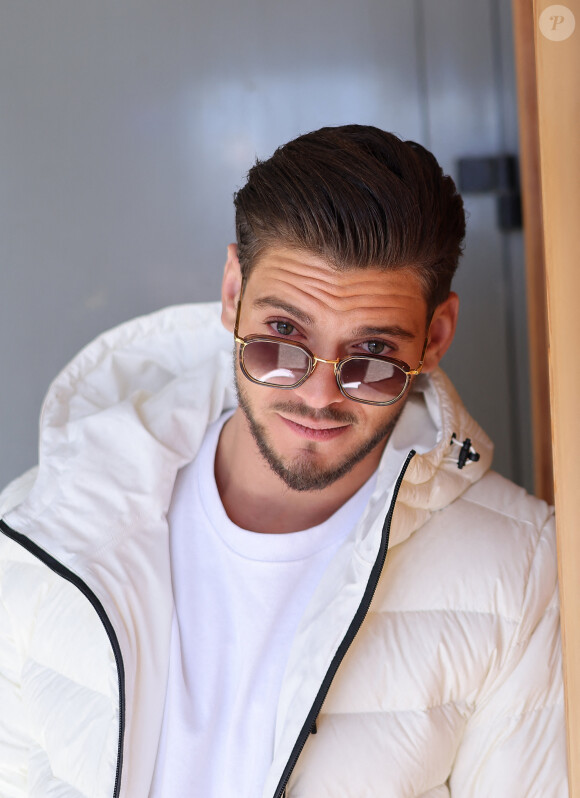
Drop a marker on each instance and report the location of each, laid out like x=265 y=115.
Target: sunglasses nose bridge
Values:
x=315 y=360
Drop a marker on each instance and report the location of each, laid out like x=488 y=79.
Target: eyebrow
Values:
x=391 y=330
x=272 y=302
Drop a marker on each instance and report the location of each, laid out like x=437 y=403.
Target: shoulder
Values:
x=510 y=525
x=507 y=502
x=16 y=491
x=490 y=551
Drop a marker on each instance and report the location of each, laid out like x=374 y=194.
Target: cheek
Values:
x=382 y=416
x=252 y=394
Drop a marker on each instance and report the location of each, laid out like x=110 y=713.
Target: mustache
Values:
x=321 y=414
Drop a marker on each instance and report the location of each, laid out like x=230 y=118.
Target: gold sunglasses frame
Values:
x=314 y=359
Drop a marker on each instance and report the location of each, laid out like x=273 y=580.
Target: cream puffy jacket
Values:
x=434 y=673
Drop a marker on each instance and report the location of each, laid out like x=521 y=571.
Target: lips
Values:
x=314 y=433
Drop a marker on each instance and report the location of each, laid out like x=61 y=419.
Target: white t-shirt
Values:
x=239 y=596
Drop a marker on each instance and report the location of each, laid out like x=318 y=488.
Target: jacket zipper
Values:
x=65 y=573
x=357 y=621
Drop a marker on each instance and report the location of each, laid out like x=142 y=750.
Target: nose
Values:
x=320 y=389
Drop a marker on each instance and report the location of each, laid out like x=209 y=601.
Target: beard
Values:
x=303 y=474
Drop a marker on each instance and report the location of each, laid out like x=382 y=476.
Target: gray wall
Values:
x=125 y=127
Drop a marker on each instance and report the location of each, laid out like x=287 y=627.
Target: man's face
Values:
x=312 y=435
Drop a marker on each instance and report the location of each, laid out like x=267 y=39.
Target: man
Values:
x=197 y=597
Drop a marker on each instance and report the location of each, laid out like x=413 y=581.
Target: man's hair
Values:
x=358 y=197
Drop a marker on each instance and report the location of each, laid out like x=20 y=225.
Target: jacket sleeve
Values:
x=514 y=744
x=59 y=690
x=14 y=742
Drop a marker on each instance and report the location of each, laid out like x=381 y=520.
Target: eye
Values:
x=375 y=347
x=283 y=327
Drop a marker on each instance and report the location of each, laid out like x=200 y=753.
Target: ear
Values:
x=441 y=331
x=231 y=288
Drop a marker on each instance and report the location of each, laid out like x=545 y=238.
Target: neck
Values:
x=256 y=498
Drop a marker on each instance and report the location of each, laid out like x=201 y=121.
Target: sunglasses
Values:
x=371 y=379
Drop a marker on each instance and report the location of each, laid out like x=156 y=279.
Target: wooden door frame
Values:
x=549 y=117
x=523 y=21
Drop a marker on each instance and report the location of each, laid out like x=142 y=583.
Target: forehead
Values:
x=313 y=285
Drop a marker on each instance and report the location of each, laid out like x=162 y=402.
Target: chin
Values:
x=306 y=472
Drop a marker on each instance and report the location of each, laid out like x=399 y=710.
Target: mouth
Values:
x=315 y=432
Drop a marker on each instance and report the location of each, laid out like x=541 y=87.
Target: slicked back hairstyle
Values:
x=358 y=197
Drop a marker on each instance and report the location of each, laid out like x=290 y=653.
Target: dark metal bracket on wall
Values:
x=498 y=174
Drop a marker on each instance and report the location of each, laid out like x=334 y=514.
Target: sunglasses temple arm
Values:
x=417 y=371
x=237 y=324
x=239 y=311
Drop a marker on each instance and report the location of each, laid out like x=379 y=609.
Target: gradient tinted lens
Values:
x=275 y=363
x=372 y=380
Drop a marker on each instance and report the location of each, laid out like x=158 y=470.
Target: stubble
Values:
x=303 y=473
